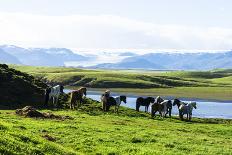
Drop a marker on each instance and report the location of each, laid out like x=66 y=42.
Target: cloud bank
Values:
x=107 y=32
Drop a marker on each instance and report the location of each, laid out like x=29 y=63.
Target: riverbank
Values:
x=91 y=131
x=212 y=94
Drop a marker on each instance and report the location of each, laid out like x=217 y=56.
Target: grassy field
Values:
x=90 y=131
x=216 y=84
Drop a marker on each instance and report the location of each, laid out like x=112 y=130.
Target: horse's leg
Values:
x=56 y=103
x=152 y=112
x=53 y=101
x=137 y=107
x=180 y=115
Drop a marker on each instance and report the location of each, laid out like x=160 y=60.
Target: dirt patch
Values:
x=30 y=111
x=48 y=137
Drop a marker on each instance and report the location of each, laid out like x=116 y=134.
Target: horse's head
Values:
x=61 y=89
x=194 y=104
x=123 y=98
x=158 y=99
x=176 y=102
x=83 y=90
x=152 y=100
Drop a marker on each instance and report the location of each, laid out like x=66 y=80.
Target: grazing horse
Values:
x=144 y=102
x=166 y=108
x=104 y=100
x=115 y=102
x=53 y=93
x=77 y=95
x=187 y=109
x=157 y=106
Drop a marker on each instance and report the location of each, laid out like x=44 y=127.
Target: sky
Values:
x=118 y=25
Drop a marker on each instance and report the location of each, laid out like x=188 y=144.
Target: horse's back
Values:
x=139 y=100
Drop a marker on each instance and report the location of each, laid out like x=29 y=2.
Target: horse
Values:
x=115 y=102
x=144 y=102
x=166 y=108
x=104 y=100
x=187 y=109
x=157 y=106
x=53 y=93
x=178 y=103
x=77 y=95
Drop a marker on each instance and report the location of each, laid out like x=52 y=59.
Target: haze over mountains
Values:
x=156 y=61
x=38 y=56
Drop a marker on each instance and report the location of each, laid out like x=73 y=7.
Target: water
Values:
x=205 y=109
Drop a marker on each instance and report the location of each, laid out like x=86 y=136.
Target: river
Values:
x=205 y=109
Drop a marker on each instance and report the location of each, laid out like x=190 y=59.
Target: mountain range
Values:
x=173 y=61
x=38 y=56
x=154 y=61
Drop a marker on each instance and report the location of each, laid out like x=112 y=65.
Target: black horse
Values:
x=111 y=101
x=169 y=108
x=144 y=102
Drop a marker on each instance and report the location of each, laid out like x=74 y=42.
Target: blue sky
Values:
x=118 y=25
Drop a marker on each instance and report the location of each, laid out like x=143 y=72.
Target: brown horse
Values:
x=77 y=95
x=157 y=106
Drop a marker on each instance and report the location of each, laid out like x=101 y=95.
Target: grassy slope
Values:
x=208 y=84
x=130 y=132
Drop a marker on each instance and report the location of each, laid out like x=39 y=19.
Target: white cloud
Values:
x=106 y=32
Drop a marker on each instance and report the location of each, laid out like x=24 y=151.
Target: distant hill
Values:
x=139 y=63
x=174 y=61
x=19 y=89
x=42 y=56
x=8 y=58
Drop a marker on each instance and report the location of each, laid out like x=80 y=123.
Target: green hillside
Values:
x=90 y=131
x=19 y=89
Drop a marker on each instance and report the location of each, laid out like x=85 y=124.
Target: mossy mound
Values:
x=18 y=89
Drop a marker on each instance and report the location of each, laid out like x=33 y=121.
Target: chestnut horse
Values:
x=157 y=106
x=77 y=95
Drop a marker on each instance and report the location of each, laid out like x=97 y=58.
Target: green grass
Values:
x=93 y=132
x=216 y=84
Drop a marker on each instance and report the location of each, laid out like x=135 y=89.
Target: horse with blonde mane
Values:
x=104 y=99
x=185 y=108
x=77 y=95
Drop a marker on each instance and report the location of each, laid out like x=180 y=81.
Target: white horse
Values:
x=53 y=93
x=187 y=109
